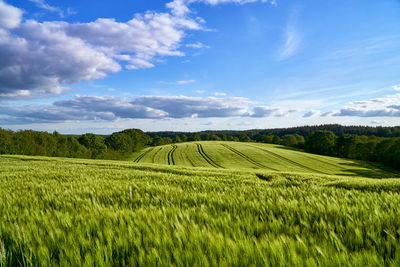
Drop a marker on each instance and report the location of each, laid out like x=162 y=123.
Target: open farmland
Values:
x=238 y=209
x=268 y=157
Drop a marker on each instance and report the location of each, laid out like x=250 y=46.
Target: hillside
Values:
x=249 y=204
x=237 y=155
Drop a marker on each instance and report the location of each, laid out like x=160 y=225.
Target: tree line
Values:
x=118 y=145
x=385 y=150
x=121 y=145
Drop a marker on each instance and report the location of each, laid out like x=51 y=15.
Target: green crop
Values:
x=243 y=207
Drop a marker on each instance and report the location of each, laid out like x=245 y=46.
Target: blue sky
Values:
x=188 y=65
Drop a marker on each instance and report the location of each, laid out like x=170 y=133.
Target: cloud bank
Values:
x=387 y=106
x=110 y=108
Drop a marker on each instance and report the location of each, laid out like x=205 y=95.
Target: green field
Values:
x=236 y=155
x=204 y=203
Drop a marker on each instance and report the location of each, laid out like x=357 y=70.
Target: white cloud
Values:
x=181 y=82
x=44 y=57
x=396 y=87
x=218 y=94
x=183 y=106
x=110 y=108
x=387 y=106
x=262 y=111
x=311 y=113
x=42 y=4
x=292 y=37
x=197 y=45
x=10 y=17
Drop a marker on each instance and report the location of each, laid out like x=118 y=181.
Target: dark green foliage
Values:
x=177 y=139
x=167 y=140
x=194 y=137
x=94 y=143
x=129 y=140
x=184 y=138
x=157 y=141
x=244 y=138
x=293 y=140
x=214 y=137
x=321 y=142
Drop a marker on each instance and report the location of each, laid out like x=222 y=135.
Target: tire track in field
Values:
x=142 y=155
x=188 y=157
x=240 y=154
x=289 y=160
x=171 y=155
x=206 y=157
x=153 y=158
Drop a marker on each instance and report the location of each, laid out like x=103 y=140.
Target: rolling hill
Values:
x=236 y=155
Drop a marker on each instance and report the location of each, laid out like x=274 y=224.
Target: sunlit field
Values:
x=215 y=204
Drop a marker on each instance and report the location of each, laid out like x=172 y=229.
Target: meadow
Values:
x=199 y=204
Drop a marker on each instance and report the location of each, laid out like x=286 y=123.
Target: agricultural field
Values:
x=199 y=204
x=237 y=155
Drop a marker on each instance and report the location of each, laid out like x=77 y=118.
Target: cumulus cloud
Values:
x=42 y=58
x=10 y=17
x=45 y=57
x=262 y=111
x=387 y=106
x=311 y=113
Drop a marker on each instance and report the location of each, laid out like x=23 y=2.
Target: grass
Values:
x=57 y=211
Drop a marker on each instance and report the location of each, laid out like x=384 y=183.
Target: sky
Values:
x=190 y=65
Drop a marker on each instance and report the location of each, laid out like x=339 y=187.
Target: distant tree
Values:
x=223 y=137
x=214 y=137
x=177 y=139
x=194 y=137
x=392 y=156
x=120 y=142
x=289 y=140
x=346 y=146
x=167 y=140
x=276 y=139
x=300 y=139
x=244 y=138
x=321 y=142
x=5 y=142
x=157 y=141
x=94 y=143
x=205 y=137
x=129 y=140
x=184 y=138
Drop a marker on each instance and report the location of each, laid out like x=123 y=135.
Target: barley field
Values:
x=199 y=204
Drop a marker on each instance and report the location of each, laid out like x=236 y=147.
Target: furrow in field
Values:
x=154 y=155
x=142 y=155
x=206 y=157
x=288 y=160
x=171 y=155
x=240 y=154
